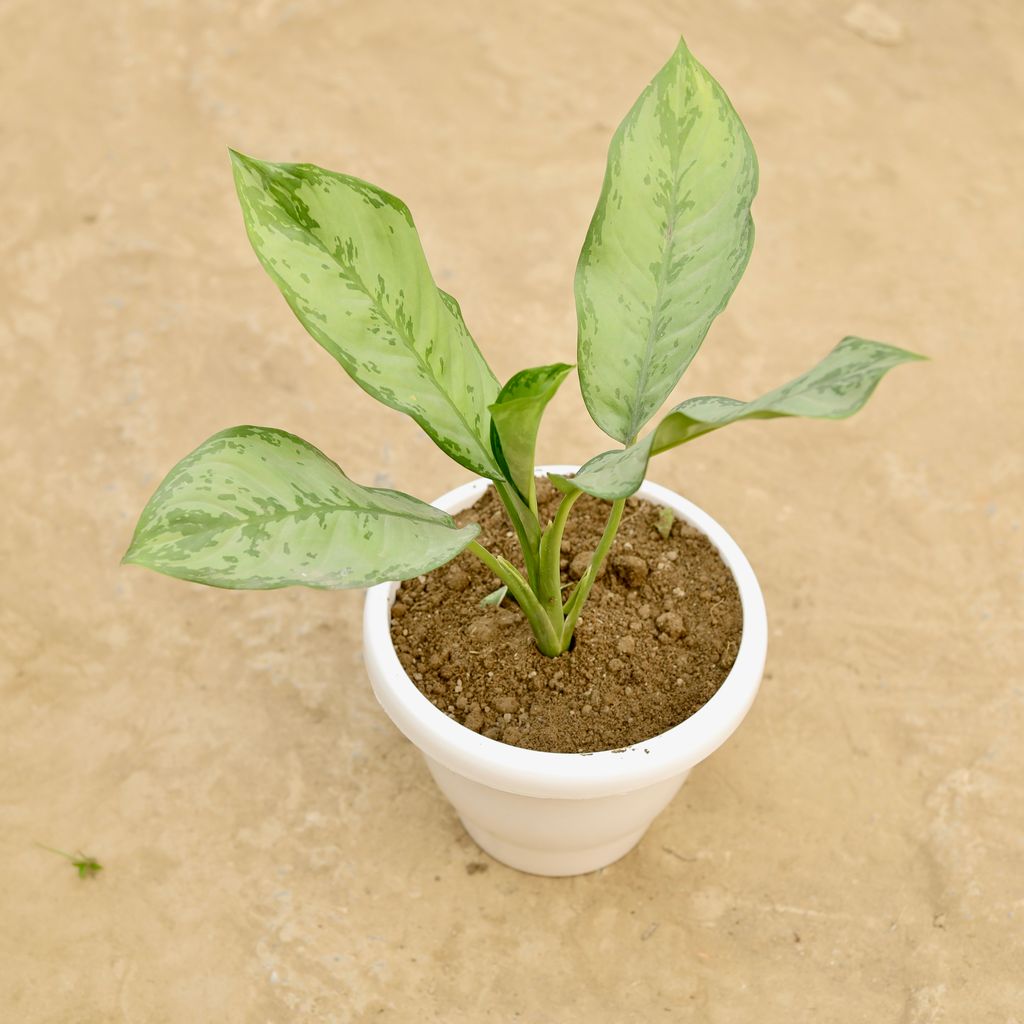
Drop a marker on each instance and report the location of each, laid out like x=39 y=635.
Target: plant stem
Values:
x=527 y=529
x=540 y=595
x=53 y=849
x=574 y=605
x=546 y=634
x=550 y=588
x=562 y=517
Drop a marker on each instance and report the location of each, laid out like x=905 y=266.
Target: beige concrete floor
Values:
x=272 y=849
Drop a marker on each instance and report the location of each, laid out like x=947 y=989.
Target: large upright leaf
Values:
x=837 y=387
x=515 y=420
x=348 y=260
x=254 y=508
x=669 y=241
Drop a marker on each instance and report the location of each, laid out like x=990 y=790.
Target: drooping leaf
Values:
x=834 y=389
x=348 y=260
x=668 y=243
x=515 y=420
x=254 y=508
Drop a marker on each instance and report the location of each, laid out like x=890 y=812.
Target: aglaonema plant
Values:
x=259 y=508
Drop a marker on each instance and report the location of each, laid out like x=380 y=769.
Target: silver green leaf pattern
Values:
x=669 y=241
x=254 y=508
x=348 y=260
x=836 y=388
x=515 y=421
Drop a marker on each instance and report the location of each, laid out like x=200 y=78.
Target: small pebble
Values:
x=633 y=571
x=578 y=566
x=670 y=623
x=457 y=579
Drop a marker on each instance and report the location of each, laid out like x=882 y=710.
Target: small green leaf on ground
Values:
x=86 y=866
x=666 y=517
x=495 y=597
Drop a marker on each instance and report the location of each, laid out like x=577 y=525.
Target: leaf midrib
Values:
x=636 y=421
x=273 y=517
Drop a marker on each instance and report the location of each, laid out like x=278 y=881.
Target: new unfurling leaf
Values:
x=515 y=420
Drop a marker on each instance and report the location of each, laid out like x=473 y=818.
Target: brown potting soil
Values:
x=657 y=637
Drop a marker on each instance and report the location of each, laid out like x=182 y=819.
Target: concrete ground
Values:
x=272 y=849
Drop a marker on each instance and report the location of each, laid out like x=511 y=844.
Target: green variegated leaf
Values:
x=669 y=241
x=254 y=508
x=515 y=420
x=834 y=389
x=348 y=260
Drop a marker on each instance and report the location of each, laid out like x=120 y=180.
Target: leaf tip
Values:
x=242 y=164
x=238 y=159
x=562 y=483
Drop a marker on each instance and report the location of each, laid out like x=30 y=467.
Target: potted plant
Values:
x=259 y=508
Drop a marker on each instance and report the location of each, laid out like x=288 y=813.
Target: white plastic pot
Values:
x=566 y=814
